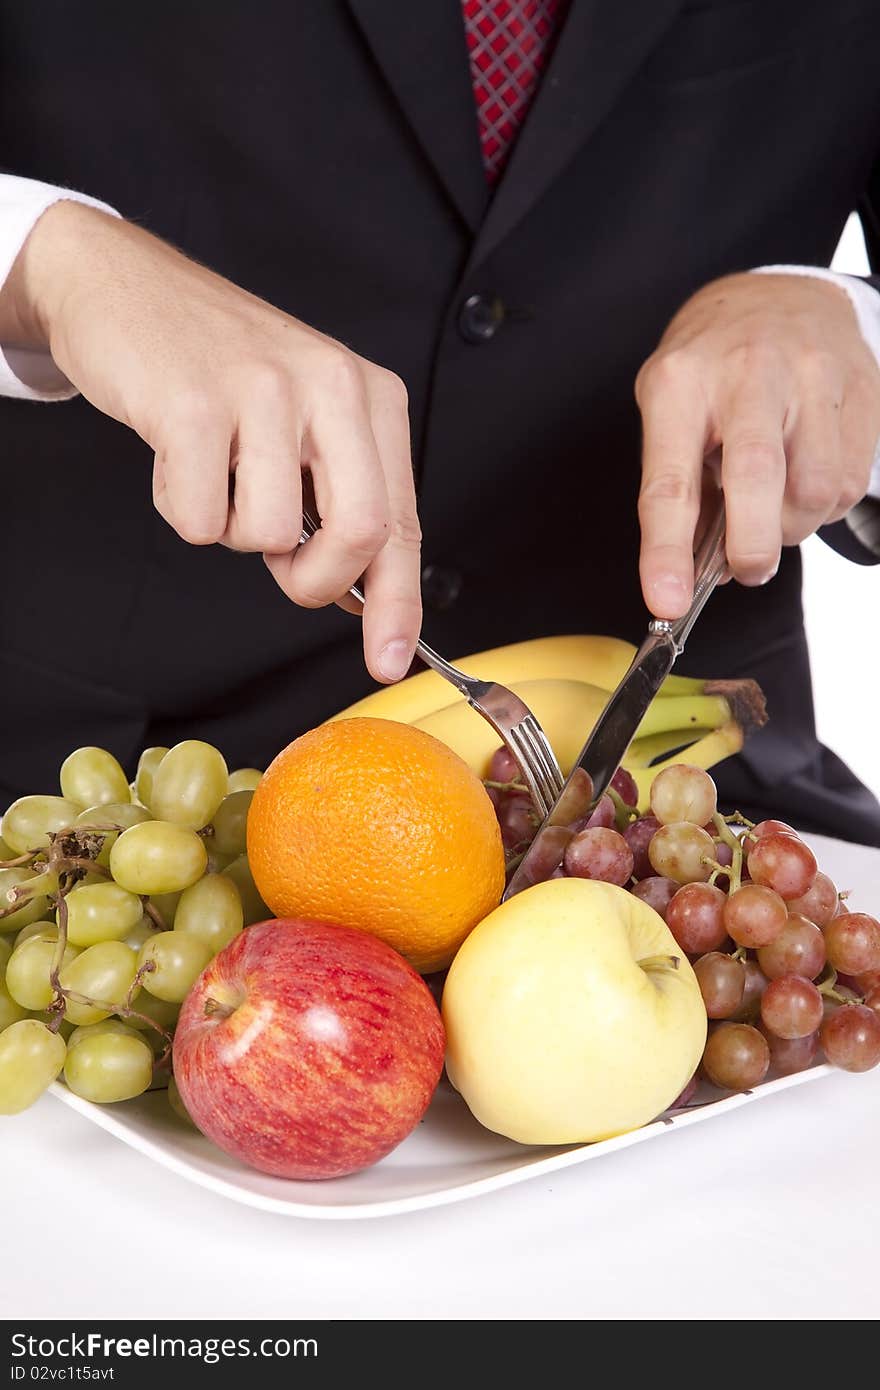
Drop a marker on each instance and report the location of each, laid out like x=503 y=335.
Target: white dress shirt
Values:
x=32 y=374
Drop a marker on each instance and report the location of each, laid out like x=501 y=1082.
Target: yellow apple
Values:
x=571 y=1015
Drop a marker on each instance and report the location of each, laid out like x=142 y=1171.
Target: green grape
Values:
x=29 y=970
x=189 y=784
x=10 y=1009
x=5 y=851
x=255 y=910
x=93 y=777
x=245 y=779
x=96 y=1030
x=230 y=824
x=157 y=857
x=211 y=911
x=6 y=952
x=146 y=771
x=175 y=1100
x=31 y=820
x=104 y=973
x=161 y=1011
x=119 y=813
x=46 y=931
x=30 y=911
x=109 y=1067
x=140 y=932
x=30 y=1059
x=178 y=961
x=101 y=912
x=166 y=905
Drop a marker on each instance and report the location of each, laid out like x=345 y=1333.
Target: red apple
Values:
x=308 y=1050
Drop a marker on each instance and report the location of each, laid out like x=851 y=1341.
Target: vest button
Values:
x=480 y=318
x=440 y=587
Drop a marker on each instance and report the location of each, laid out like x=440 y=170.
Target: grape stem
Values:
x=623 y=813
x=155 y=916
x=727 y=837
x=827 y=987
x=27 y=858
x=506 y=786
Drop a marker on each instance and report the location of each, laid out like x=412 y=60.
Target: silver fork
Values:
x=510 y=717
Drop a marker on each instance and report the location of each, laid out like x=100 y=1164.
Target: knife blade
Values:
x=616 y=728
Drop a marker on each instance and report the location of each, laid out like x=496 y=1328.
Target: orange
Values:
x=379 y=826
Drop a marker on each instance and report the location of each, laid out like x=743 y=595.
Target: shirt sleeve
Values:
x=28 y=373
x=865 y=300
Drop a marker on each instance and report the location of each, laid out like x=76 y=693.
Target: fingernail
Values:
x=771 y=575
x=394 y=659
x=670 y=592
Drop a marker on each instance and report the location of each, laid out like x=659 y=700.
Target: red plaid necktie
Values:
x=509 y=42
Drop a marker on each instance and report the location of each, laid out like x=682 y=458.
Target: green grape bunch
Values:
x=114 y=896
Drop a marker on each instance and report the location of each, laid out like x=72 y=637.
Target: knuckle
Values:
x=669 y=486
x=754 y=458
x=203 y=530
x=406 y=531
x=365 y=534
x=813 y=490
x=269 y=384
x=391 y=389
x=819 y=366
x=343 y=374
x=852 y=491
x=755 y=357
x=666 y=369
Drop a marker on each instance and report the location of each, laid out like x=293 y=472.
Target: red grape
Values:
x=791 y=1007
x=790 y=1055
x=772 y=827
x=503 y=767
x=754 y=916
x=517 y=820
x=799 y=949
x=656 y=892
x=695 y=917
x=679 y=851
x=603 y=815
x=850 y=1037
x=599 y=853
x=783 y=863
x=756 y=983
x=722 y=981
x=547 y=853
x=853 y=943
x=736 y=1057
x=870 y=980
x=683 y=793
x=638 y=836
x=819 y=903
x=624 y=784
x=872 y=998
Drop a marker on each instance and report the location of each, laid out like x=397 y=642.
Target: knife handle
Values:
x=710 y=563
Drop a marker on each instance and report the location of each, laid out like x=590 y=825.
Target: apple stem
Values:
x=214 y=1009
x=660 y=962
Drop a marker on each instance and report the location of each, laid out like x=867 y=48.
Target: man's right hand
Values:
x=236 y=399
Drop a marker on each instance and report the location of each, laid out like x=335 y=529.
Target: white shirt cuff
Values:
x=866 y=305
x=29 y=373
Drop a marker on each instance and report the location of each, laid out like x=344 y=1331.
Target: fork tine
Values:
x=532 y=767
x=544 y=752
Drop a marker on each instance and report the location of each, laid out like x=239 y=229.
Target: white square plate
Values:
x=450 y=1156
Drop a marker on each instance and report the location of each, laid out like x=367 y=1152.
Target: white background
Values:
x=840 y=606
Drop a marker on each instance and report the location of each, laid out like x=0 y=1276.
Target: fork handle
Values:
x=428 y=655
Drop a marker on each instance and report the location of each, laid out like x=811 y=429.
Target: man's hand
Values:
x=771 y=369
x=235 y=398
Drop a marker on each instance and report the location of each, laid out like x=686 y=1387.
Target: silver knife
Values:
x=604 y=750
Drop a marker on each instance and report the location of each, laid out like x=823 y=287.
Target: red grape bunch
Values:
x=787 y=972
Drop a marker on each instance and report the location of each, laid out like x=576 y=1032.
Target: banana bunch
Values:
x=566 y=682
